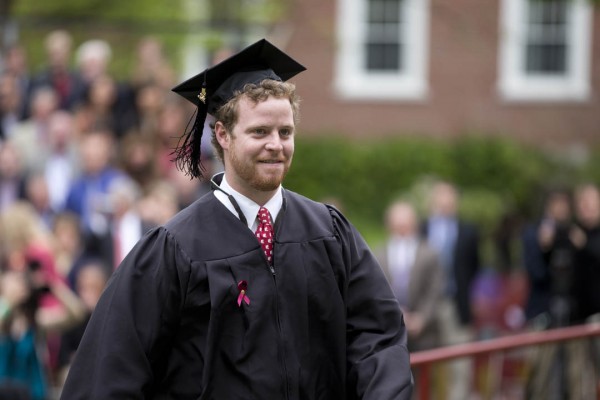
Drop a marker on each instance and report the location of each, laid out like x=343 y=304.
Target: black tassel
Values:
x=187 y=153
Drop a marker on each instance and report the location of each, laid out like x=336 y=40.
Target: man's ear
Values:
x=221 y=134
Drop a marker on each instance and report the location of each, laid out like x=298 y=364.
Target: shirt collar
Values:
x=395 y=240
x=438 y=218
x=248 y=207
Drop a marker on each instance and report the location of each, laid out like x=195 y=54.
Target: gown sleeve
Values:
x=128 y=336
x=377 y=356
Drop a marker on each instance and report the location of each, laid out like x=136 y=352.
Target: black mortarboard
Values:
x=216 y=85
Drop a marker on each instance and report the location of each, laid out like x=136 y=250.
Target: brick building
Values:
x=521 y=68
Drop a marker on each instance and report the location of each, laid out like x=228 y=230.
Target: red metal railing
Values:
x=423 y=360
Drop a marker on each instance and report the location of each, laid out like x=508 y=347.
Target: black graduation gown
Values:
x=323 y=325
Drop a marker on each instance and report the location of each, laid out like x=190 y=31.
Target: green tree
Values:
x=209 y=23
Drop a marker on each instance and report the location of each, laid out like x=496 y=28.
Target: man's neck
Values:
x=245 y=205
x=260 y=197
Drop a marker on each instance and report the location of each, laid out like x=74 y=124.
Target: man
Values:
x=413 y=270
x=57 y=72
x=549 y=254
x=88 y=194
x=30 y=136
x=200 y=309
x=15 y=64
x=60 y=158
x=587 y=262
x=457 y=245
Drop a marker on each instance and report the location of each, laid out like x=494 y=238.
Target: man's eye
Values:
x=285 y=132
x=260 y=131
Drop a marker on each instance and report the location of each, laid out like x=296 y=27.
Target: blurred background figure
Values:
x=24 y=328
x=188 y=190
x=124 y=226
x=171 y=123
x=12 y=177
x=15 y=64
x=30 y=136
x=151 y=66
x=92 y=59
x=415 y=275
x=21 y=367
x=107 y=104
x=549 y=254
x=88 y=195
x=457 y=245
x=69 y=245
x=26 y=244
x=60 y=158
x=137 y=158
x=57 y=72
x=149 y=99
x=554 y=254
x=587 y=214
x=46 y=306
x=159 y=203
x=37 y=194
x=10 y=104
x=91 y=280
x=127 y=226
x=555 y=206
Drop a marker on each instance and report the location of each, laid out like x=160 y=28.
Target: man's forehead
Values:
x=269 y=106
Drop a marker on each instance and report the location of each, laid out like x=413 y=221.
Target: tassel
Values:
x=188 y=151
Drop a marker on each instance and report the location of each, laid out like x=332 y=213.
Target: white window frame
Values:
x=515 y=84
x=354 y=82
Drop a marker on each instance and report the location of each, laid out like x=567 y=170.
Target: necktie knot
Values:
x=264 y=233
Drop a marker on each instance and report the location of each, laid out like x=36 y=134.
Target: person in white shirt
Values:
x=413 y=269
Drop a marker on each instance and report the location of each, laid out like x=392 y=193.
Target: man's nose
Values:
x=274 y=142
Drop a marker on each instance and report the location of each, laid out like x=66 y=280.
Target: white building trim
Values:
x=354 y=81
x=514 y=84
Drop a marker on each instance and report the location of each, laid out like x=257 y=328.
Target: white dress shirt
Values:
x=401 y=253
x=248 y=207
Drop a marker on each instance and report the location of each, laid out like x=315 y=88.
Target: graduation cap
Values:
x=216 y=85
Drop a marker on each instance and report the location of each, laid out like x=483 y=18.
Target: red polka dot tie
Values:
x=264 y=233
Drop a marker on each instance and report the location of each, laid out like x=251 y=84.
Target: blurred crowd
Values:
x=435 y=259
x=434 y=267
x=85 y=170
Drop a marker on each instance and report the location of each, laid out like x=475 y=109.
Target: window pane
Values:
x=547 y=12
x=384 y=11
x=384 y=35
x=383 y=57
x=546 y=59
x=546 y=43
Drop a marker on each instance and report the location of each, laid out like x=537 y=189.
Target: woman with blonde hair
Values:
x=35 y=303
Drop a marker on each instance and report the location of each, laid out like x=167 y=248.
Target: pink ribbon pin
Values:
x=242 y=287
